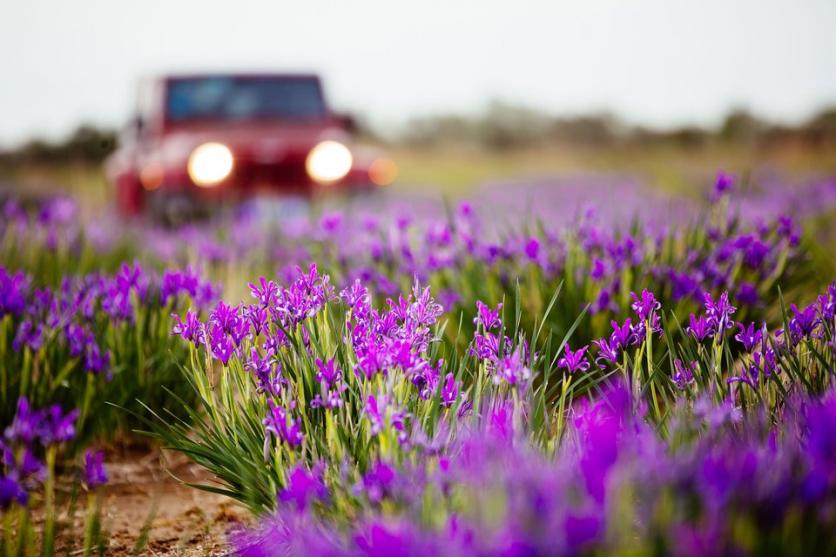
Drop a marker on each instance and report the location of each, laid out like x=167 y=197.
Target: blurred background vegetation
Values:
x=453 y=154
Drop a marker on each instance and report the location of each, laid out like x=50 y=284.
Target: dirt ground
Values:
x=183 y=521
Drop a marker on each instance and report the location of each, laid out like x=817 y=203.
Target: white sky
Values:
x=661 y=62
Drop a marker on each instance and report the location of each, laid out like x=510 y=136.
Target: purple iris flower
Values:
x=258 y=319
x=265 y=292
x=700 y=327
x=487 y=317
x=267 y=371
x=766 y=361
x=356 y=297
x=749 y=336
x=805 y=321
x=645 y=305
x=94 y=470
x=191 y=329
x=30 y=466
x=604 y=302
x=12 y=491
x=639 y=332
x=449 y=391
x=328 y=372
x=97 y=361
x=221 y=344
x=13 y=292
x=582 y=531
x=723 y=185
x=57 y=427
x=532 y=248
x=621 y=334
x=77 y=339
x=485 y=346
x=372 y=410
x=683 y=285
x=747 y=294
x=598 y=270
x=755 y=254
x=304 y=487
x=719 y=312
x=606 y=352
x=573 y=361
x=284 y=428
x=512 y=369
x=379 y=481
x=28 y=334
x=683 y=375
x=26 y=423
x=827 y=303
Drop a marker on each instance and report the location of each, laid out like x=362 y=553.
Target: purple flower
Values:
x=356 y=297
x=78 y=338
x=606 y=352
x=449 y=391
x=765 y=360
x=26 y=423
x=57 y=427
x=723 y=184
x=805 y=321
x=96 y=361
x=532 y=248
x=683 y=375
x=747 y=294
x=582 y=531
x=29 y=335
x=787 y=229
x=13 y=291
x=379 y=481
x=755 y=253
x=598 y=270
x=700 y=328
x=328 y=372
x=719 y=312
x=94 y=470
x=621 y=334
x=644 y=305
x=573 y=361
x=373 y=411
x=265 y=292
x=185 y=281
x=221 y=344
x=12 y=491
x=486 y=346
x=424 y=310
x=512 y=369
x=749 y=337
x=282 y=426
x=639 y=332
x=487 y=317
x=266 y=370
x=258 y=318
x=683 y=285
x=304 y=487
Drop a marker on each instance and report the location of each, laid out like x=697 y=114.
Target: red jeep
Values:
x=205 y=138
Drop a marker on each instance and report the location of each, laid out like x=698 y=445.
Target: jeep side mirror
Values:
x=347 y=122
x=137 y=124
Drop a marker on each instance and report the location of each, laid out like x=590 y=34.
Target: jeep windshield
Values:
x=244 y=98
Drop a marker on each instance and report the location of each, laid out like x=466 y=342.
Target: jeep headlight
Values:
x=209 y=164
x=328 y=162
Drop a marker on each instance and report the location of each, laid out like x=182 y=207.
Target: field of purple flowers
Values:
x=589 y=368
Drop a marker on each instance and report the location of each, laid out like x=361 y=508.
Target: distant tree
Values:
x=820 y=130
x=741 y=126
x=595 y=130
